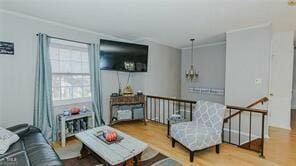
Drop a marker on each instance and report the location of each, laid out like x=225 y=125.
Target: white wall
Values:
x=281 y=79
x=17 y=73
x=293 y=103
x=210 y=63
x=248 y=54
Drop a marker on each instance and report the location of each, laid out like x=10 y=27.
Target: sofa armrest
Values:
x=19 y=129
x=23 y=129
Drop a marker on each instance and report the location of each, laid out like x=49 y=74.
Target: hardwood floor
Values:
x=293 y=119
x=280 y=148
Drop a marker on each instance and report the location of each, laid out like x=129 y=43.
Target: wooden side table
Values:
x=127 y=100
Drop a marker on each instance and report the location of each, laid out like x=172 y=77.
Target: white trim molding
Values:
x=205 y=45
x=250 y=27
x=60 y=24
x=154 y=41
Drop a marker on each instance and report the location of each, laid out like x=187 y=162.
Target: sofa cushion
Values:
x=15 y=159
x=7 y=138
x=39 y=151
x=31 y=149
x=14 y=148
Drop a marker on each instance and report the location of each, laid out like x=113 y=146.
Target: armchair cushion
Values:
x=209 y=114
x=206 y=128
x=195 y=136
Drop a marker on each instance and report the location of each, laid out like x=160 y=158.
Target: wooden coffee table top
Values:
x=115 y=153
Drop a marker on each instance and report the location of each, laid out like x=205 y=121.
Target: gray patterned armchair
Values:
x=204 y=131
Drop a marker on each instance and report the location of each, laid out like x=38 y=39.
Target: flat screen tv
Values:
x=120 y=56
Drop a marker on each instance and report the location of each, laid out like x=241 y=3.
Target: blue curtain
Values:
x=95 y=77
x=43 y=105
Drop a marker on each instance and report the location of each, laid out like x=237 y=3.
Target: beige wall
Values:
x=17 y=73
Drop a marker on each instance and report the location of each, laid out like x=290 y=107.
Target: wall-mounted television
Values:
x=120 y=56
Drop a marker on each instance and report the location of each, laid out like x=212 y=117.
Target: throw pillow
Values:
x=6 y=139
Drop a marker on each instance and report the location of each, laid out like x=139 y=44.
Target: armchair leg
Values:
x=218 y=148
x=173 y=142
x=191 y=156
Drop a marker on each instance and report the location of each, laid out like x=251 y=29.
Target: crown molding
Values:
x=250 y=27
x=22 y=15
x=154 y=41
x=206 y=45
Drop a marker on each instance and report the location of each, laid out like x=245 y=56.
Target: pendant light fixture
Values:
x=191 y=73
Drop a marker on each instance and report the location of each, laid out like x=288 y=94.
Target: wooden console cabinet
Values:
x=127 y=100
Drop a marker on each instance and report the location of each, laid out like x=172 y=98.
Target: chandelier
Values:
x=191 y=73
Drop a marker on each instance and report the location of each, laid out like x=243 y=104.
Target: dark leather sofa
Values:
x=31 y=149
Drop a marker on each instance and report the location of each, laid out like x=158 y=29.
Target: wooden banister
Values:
x=247 y=109
x=262 y=100
x=241 y=109
x=252 y=144
x=171 y=98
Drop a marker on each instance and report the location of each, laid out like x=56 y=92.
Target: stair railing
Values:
x=159 y=108
x=256 y=145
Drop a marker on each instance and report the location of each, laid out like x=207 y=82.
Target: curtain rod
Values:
x=53 y=37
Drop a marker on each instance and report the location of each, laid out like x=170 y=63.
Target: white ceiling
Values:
x=171 y=22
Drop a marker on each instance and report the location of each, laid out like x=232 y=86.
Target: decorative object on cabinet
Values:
x=69 y=125
x=75 y=110
x=128 y=91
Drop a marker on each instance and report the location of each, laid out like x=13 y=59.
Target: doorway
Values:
x=281 y=80
x=293 y=103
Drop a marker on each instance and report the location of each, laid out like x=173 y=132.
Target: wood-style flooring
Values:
x=280 y=148
x=293 y=119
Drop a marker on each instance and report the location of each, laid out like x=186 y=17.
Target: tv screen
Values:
x=122 y=56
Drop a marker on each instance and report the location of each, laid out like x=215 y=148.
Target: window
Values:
x=70 y=71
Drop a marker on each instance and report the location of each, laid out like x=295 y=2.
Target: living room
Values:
x=236 y=60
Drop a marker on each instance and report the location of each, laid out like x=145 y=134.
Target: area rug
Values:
x=150 y=157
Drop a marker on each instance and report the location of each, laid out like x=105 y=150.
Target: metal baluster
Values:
x=184 y=110
x=159 y=110
x=239 y=128
x=145 y=109
x=223 y=132
x=190 y=111
x=163 y=112
x=173 y=107
x=250 y=129
x=262 y=138
x=179 y=107
x=169 y=109
x=229 y=128
x=150 y=112
x=154 y=109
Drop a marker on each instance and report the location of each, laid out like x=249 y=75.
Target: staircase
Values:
x=243 y=120
x=239 y=127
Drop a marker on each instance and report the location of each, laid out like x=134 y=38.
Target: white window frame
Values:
x=63 y=102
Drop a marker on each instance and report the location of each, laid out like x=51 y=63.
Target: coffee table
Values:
x=127 y=150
